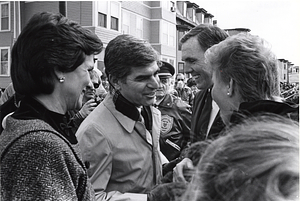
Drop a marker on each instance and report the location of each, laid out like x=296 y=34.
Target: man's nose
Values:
x=154 y=82
x=187 y=68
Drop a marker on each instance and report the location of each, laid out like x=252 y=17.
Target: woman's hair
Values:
x=249 y=62
x=126 y=52
x=256 y=160
x=47 y=43
x=207 y=35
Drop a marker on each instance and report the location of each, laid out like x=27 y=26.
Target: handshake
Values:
x=167 y=191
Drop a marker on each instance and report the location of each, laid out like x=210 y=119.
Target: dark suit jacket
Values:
x=197 y=112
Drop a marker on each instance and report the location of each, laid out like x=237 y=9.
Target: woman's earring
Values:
x=228 y=94
x=62 y=79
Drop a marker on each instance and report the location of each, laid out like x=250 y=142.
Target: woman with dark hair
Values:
x=51 y=60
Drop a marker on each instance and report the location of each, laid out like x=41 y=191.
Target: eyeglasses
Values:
x=179 y=79
x=96 y=85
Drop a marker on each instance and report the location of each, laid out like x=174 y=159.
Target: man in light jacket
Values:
x=120 y=138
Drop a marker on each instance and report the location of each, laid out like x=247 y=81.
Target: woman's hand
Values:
x=183 y=171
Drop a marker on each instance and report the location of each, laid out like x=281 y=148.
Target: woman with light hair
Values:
x=246 y=79
x=245 y=83
x=256 y=160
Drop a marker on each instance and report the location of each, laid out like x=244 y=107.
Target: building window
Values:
x=180 y=67
x=4 y=13
x=165 y=33
x=4 y=61
x=102 y=21
x=109 y=14
x=126 y=22
x=172 y=34
x=114 y=23
x=115 y=11
x=139 y=27
x=168 y=33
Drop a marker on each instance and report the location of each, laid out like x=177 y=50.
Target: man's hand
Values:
x=183 y=171
x=87 y=108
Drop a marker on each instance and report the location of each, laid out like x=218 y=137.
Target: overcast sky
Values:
x=277 y=21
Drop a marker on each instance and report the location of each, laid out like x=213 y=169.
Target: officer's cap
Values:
x=166 y=70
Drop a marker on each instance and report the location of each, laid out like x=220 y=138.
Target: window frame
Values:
x=125 y=22
x=105 y=19
x=8 y=61
x=117 y=23
x=167 y=33
x=8 y=29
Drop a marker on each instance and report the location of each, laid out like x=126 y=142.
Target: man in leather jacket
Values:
x=175 y=115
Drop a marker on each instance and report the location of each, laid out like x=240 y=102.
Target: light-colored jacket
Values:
x=120 y=160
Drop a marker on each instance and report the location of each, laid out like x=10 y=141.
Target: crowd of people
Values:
x=290 y=92
x=70 y=132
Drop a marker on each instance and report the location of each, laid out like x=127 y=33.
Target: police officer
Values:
x=175 y=115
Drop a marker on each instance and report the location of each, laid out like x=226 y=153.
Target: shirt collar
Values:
x=31 y=108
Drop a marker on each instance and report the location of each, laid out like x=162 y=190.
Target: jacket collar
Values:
x=125 y=107
x=263 y=106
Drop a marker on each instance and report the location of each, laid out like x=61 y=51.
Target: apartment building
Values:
x=283 y=67
x=162 y=23
x=294 y=74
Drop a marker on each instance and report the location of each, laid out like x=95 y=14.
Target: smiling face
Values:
x=193 y=56
x=140 y=86
x=76 y=82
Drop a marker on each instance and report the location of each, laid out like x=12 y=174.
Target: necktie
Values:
x=204 y=118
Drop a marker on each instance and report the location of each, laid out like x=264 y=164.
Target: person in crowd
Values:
x=193 y=85
x=120 y=138
x=51 y=60
x=89 y=102
x=10 y=102
x=183 y=91
x=206 y=123
x=257 y=159
x=7 y=108
x=245 y=82
x=100 y=91
x=175 y=115
x=7 y=94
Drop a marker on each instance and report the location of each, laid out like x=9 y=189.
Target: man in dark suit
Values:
x=206 y=123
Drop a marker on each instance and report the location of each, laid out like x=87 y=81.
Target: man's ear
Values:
x=114 y=81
